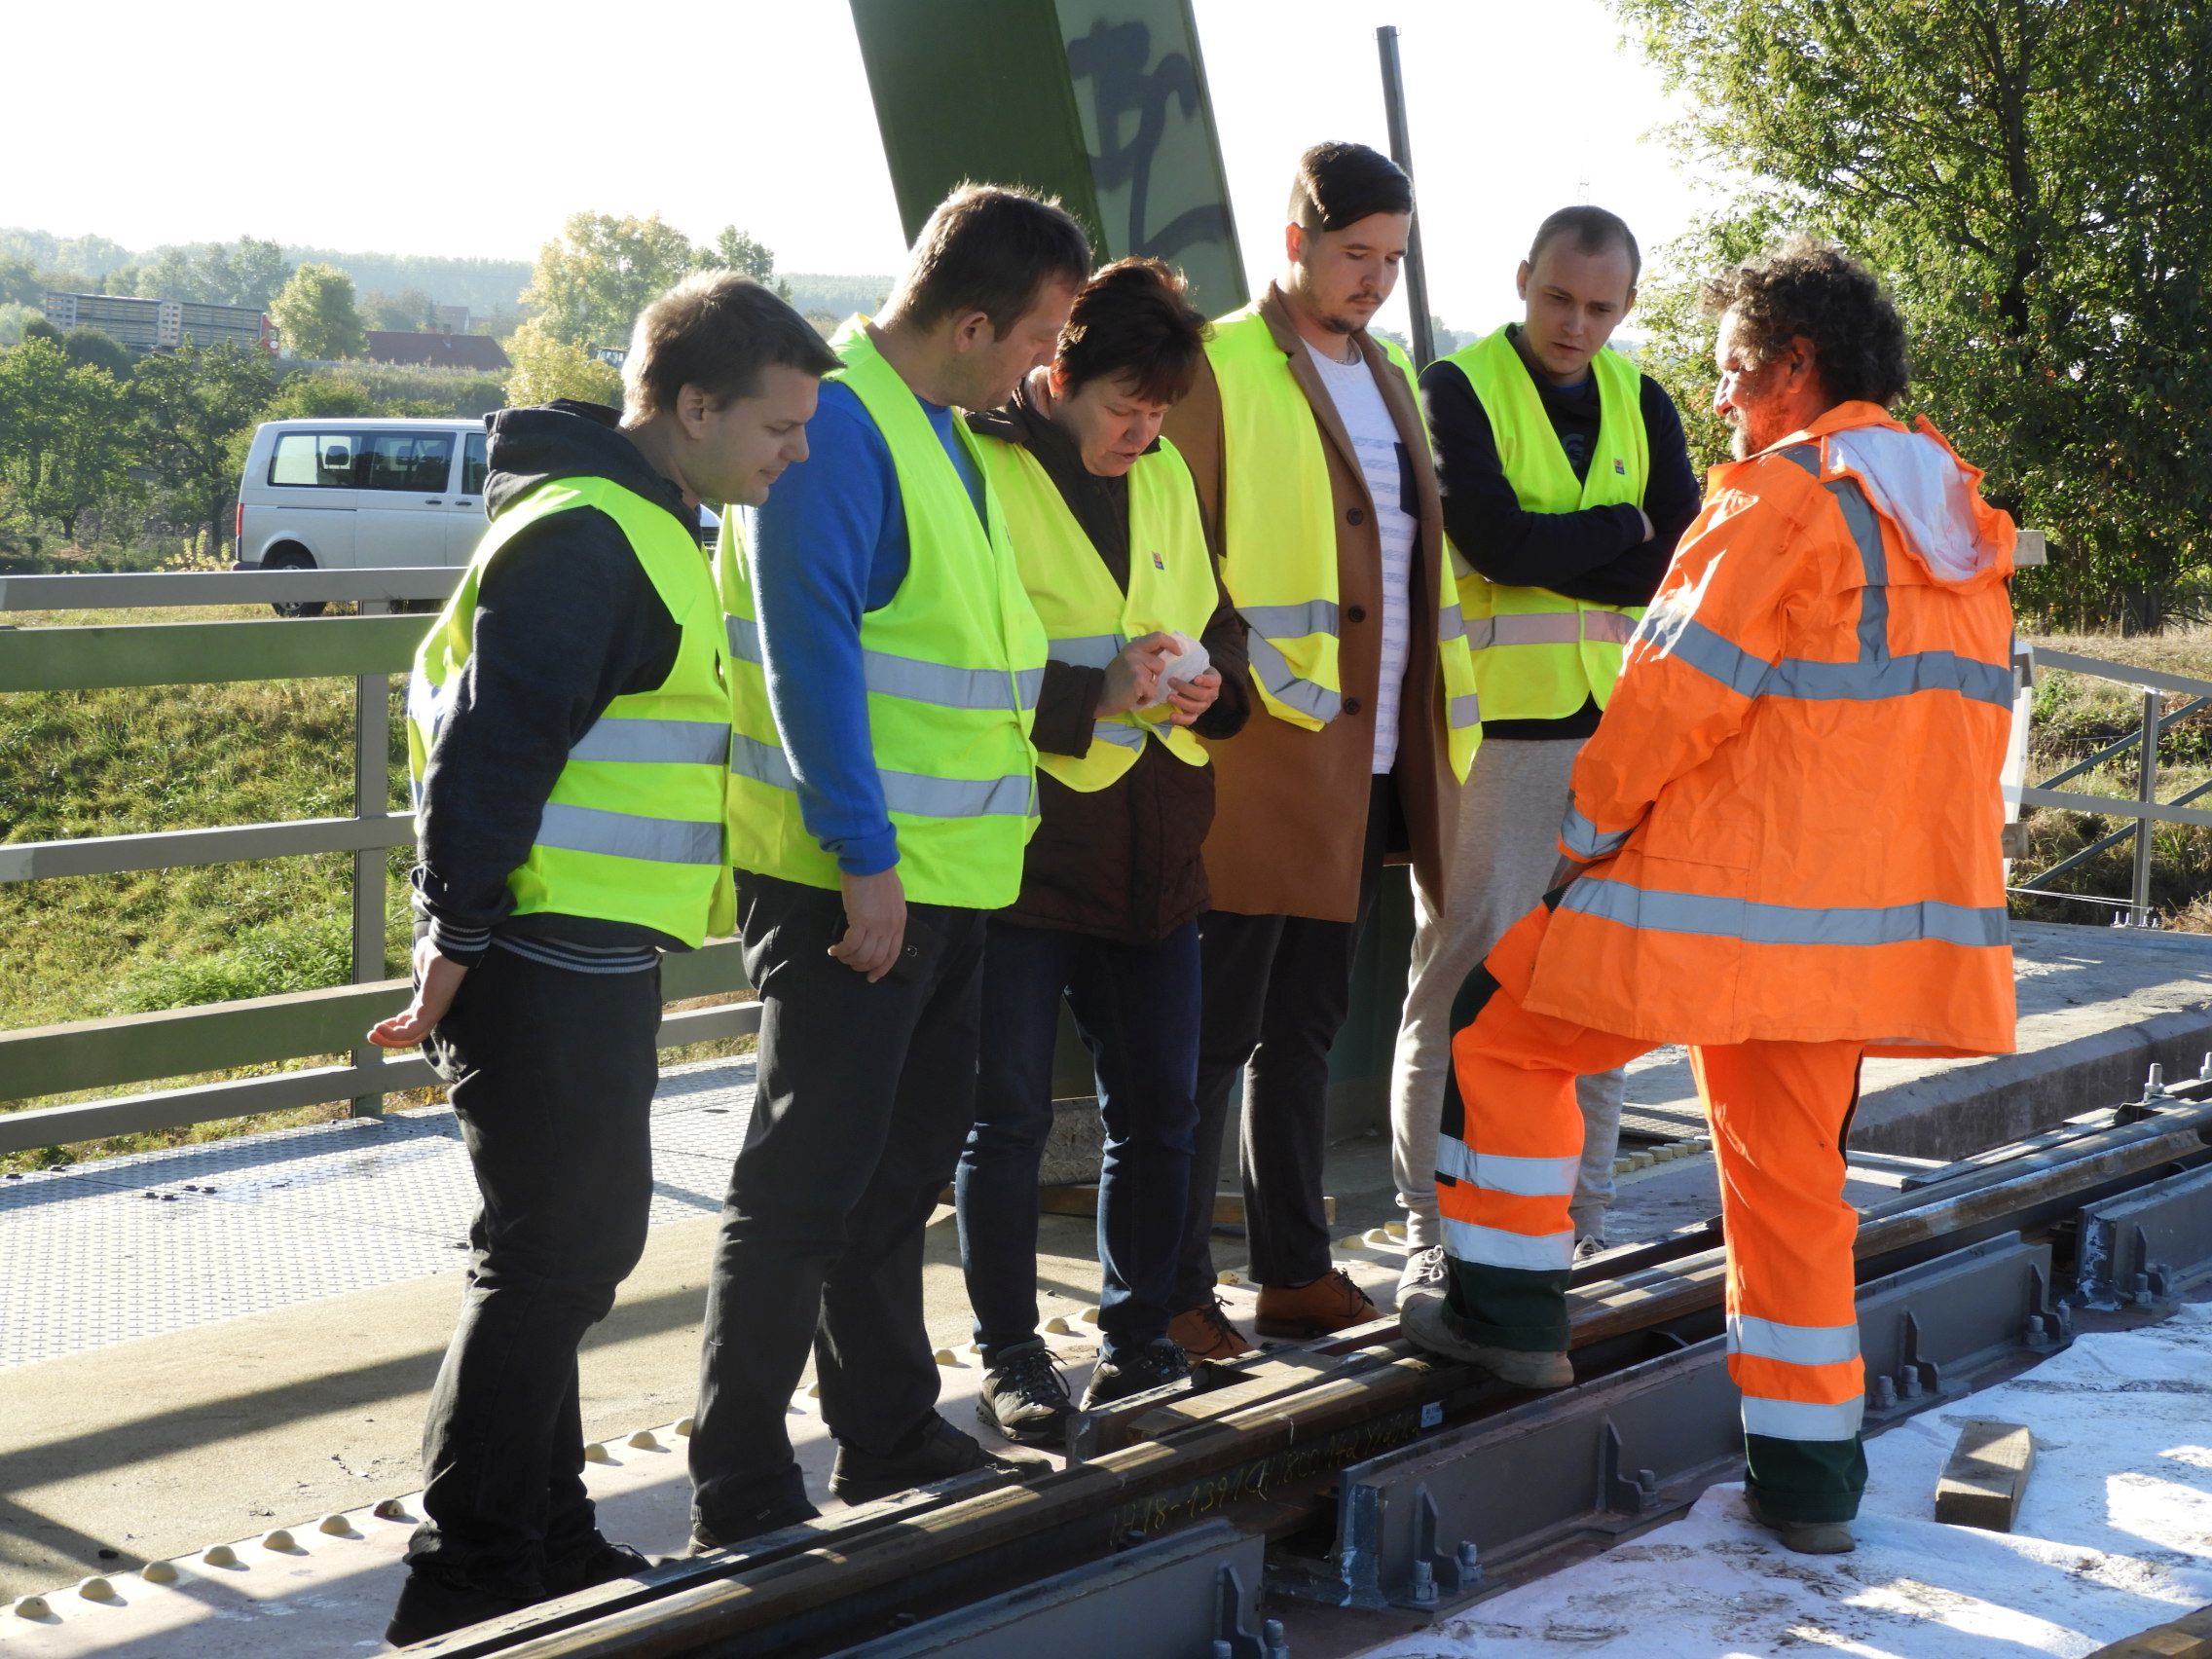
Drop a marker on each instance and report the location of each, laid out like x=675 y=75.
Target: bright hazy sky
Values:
x=473 y=129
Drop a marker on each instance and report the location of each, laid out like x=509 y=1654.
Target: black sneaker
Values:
x=863 y=1476
x=768 y=1506
x=1025 y=1399
x=600 y=1562
x=431 y=1604
x=1118 y=1375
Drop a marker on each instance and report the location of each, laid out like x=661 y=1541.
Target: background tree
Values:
x=590 y=282
x=314 y=314
x=410 y=309
x=64 y=434
x=98 y=348
x=255 y=272
x=246 y=272
x=2027 y=176
x=192 y=404
x=547 y=367
x=732 y=249
x=19 y=282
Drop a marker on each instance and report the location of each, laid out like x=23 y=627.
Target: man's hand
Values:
x=435 y=981
x=1132 y=679
x=876 y=922
x=1188 y=699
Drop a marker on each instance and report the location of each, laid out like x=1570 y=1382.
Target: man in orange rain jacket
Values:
x=1783 y=850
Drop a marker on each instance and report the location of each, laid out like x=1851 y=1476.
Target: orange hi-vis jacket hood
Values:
x=1793 y=802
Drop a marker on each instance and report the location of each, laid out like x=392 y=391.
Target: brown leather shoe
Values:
x=1298 y=1312
x=1205 y=1333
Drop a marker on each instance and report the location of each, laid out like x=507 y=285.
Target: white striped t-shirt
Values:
x=1381 y=459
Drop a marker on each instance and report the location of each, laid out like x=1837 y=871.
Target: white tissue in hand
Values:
x=1189 y=662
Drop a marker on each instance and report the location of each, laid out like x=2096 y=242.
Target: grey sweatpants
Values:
x=1510 y=810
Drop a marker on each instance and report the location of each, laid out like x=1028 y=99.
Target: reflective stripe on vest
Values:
x=952 y=667
x=1548 y=655
x=632 y=829
x=1171 y=589
x=916 y=680
x=1280 y=544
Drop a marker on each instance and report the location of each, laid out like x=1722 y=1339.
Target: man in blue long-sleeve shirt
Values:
x=882 y=785
x=830 y=547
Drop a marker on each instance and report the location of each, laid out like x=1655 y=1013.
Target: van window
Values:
x=472 y=465
x=315 y=460
x=404 y=460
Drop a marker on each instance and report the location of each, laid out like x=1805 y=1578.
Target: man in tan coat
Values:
x=1299 y=406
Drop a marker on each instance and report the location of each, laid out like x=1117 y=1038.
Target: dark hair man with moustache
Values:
x=1304 y=437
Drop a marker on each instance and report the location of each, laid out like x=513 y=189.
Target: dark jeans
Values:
x=1276 y=992
x=552 y=1076
x=1136 y=1007
x=864 y=1094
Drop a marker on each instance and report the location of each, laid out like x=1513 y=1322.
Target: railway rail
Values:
x=1361 y=1473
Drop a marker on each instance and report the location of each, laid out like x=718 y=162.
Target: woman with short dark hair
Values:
x=1105 y=527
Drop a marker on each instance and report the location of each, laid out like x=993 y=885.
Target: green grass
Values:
x=131 y=762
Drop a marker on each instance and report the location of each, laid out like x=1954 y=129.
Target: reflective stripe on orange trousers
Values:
x=1512 y=1140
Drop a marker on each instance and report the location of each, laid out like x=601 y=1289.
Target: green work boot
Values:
x=1428 y=1325
x=1805 y=1538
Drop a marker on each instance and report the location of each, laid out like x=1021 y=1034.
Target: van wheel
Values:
x=293 y=559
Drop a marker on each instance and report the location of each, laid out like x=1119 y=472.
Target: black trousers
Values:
x=552 y=1076
x=1277 y=990
x=864 y=1095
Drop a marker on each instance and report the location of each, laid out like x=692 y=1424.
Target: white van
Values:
x=357 y=493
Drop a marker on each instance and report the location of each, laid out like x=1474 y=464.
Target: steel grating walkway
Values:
x=98 y=1253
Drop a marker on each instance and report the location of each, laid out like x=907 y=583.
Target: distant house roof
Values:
x=437 y=350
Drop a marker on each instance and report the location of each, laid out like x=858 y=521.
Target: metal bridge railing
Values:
x=106 y=1055
x=2146 y=808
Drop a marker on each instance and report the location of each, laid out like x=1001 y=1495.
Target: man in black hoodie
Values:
x=567 y=738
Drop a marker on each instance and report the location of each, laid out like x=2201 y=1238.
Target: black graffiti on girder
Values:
x=1112 y=58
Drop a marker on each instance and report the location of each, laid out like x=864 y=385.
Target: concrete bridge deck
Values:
x=205 y=1343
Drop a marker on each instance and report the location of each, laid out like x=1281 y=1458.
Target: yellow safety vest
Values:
x=1280 y=542
x=1538 y=654
x=633 y=831
x=952 y=667
x=1088 y=619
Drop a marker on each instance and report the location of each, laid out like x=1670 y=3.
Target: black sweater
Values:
x=565 y=621
x=1594 y=554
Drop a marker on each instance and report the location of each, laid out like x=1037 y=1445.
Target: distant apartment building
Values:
x=441 y=349
x=161 y=325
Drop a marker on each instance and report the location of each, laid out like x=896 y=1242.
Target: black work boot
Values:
x=1023 y=1397
x=1136 y=1371
x=770 y=1506
x=431 y=1604
x=601 y=1561
x=938 y=1454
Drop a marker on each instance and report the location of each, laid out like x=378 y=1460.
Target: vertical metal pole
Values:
x=2145 y=791
x=1402 y=152
x=372 y=785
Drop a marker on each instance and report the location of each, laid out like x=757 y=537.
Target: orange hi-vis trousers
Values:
x=1506 y=1163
